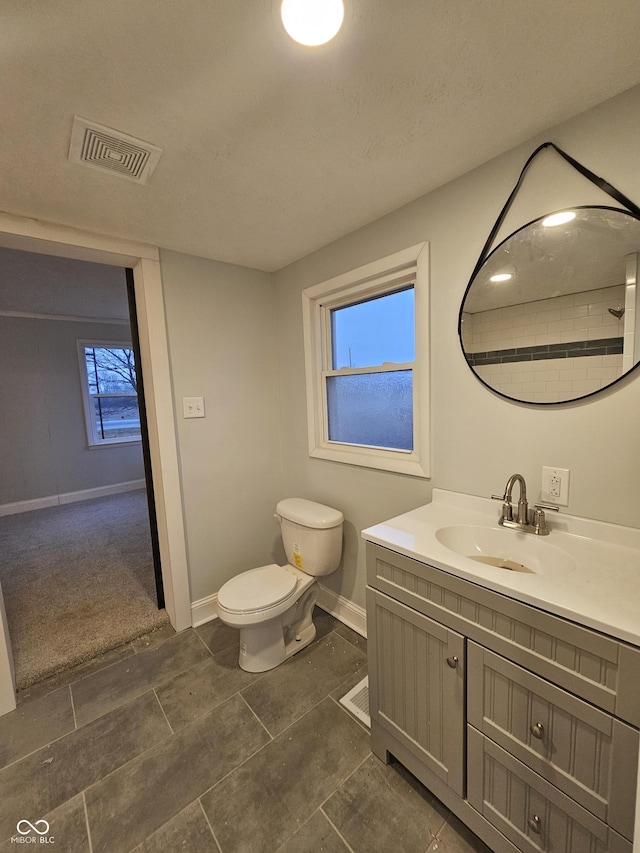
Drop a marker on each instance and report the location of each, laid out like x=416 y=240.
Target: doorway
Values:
x=35 y=236
x=80 y=562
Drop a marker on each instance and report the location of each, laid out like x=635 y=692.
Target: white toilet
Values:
x=273 y=605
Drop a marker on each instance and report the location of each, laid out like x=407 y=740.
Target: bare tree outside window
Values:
x=113 y=367
x=112 y=393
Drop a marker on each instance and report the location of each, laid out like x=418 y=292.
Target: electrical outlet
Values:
x=193 y=407
x=555 y=486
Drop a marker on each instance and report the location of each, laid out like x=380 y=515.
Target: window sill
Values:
x=103 y=445
x=364 y=457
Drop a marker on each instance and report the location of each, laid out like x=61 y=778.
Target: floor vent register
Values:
x=357 y=701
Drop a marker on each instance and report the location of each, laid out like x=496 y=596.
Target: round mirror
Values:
x=551 y=314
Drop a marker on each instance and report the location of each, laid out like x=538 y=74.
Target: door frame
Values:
x=144 y=439
x=32 y=235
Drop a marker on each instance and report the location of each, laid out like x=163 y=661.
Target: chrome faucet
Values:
x=528 y=523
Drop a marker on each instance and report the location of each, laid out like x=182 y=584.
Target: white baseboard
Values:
x=70 y=497
x=102 y=491
x=345 y=611
x=204 y=610
x=28 y=506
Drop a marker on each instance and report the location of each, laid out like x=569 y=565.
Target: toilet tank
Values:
x=312 y=535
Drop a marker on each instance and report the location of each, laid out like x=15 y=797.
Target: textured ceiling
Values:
x=271 y=150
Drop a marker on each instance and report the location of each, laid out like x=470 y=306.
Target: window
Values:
x=366 y=355
x=109 y=384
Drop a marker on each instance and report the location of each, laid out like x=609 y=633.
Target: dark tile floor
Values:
x=166 y=745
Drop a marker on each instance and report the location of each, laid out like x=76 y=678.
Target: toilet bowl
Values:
x=273 y=605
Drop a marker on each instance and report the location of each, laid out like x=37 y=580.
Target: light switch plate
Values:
x=555 y=486
x=193 y=407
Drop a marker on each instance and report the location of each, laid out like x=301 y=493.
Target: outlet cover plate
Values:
x=555 y=486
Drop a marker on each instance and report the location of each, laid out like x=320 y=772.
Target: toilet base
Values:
x=261 y=647
x=265 y=646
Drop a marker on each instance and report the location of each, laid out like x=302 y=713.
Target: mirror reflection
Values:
x=551 y=314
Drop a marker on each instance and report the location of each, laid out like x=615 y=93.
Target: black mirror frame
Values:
x=487 y=252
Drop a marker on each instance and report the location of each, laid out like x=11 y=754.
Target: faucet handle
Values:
x=507 y=509
x=539 y=520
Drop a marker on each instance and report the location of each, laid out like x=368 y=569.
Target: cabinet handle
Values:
x=453 y=661
x=537 y=730
x=534 y=824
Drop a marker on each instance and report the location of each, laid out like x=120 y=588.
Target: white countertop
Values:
x=601 y=589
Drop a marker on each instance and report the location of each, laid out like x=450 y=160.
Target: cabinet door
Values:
x=416 y=685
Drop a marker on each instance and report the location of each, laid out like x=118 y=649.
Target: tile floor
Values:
x=166 y=745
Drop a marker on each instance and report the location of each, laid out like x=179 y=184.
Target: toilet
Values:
x=273 y=605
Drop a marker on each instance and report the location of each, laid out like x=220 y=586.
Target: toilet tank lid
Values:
x=309 y=513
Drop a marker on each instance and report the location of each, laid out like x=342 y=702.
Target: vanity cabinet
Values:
x=524 y=724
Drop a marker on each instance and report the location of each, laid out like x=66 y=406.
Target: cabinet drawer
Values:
x=594 y=666
x=585 y=752
x=416 y=685
x=528 y=810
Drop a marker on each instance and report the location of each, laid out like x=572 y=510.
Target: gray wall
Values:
x=478 y=439
x=44 y=284
x=43 y=439
x=221 y=326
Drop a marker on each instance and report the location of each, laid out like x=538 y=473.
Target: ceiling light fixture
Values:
x=558 y=218
x=312 y=22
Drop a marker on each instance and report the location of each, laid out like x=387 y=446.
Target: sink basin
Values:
x=506 y=549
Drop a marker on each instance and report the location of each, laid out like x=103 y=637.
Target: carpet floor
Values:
x=77 y=581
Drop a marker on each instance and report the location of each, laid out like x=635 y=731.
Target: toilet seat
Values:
x=257 y=589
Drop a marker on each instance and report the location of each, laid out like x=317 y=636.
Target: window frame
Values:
x=93 y=439
x=379 y=278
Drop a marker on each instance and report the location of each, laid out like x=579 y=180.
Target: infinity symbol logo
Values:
x=32 y=827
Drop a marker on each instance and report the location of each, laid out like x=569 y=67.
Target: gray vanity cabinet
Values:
x=524 y=724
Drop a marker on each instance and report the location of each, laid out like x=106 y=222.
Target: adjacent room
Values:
x=76 y=562
x=390 y=419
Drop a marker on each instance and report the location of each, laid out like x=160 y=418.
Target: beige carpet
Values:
x=77 y=581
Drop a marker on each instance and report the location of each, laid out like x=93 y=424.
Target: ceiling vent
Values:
x=109 y=150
